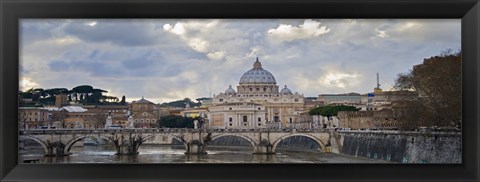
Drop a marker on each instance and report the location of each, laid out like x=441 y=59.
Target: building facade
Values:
x=345 y=99
x=257 y=104
x=142 y=112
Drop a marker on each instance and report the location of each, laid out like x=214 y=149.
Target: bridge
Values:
x=57 y=142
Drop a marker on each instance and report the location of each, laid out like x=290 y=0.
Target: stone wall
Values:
x=402 y=147
x=367 y=119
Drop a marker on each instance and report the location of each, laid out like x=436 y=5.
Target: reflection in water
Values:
x=175 y=154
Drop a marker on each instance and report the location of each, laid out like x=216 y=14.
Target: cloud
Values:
x=309 y=29
x=169 y=59
x=119 y=32
x=216 y=55
x=339 y=79
x=27 y=83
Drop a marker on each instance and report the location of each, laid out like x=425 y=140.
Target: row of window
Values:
x=146 y=121
x=30 y=114
x=275 y=99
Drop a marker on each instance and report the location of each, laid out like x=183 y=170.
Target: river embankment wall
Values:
x=402 y=147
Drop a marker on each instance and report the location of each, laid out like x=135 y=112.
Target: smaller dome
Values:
x=285 y=90
x=230 y=91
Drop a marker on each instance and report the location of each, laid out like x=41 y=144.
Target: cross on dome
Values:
x=257 y=64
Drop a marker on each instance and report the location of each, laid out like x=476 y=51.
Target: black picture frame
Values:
x=13 y=10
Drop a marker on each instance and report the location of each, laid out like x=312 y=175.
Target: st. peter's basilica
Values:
x=256 y=103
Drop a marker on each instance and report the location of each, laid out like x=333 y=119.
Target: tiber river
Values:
x=175 y=154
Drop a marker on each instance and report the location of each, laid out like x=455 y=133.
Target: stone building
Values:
x=257 y=104
x=143 y=114
x=61 y=100
x=344 y=99
x=119 y=113
x=381 y=119
x=34 y=117
x=384 y=99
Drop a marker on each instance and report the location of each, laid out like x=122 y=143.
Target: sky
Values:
x=164 y=60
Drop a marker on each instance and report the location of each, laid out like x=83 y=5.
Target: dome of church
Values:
x=285 y=90
x=257 y=75
x=230 y=90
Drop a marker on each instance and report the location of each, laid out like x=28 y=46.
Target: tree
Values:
x=437 y=84
x=122 y=102
x=182 y=103
x=173 y=121
x=331 y=111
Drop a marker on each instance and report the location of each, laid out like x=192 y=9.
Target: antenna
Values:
x=378 y=81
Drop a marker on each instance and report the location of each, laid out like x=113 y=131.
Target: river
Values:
x=175 y=154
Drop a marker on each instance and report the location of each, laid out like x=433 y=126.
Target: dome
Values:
x=285 y=90
x=230 y=90
x=142 y=101
x=257 y=75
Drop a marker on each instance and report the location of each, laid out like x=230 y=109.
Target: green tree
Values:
x=123 y=102
x=174 y=121
x=331 y=111
x=437 y=84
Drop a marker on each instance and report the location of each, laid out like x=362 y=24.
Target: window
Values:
x=221 y=100
x=245 y=118
x=259 y=119
x=296 y=100
x=258 y=89
x=230 y=108
x=264 y=89
x=148 y=121
x=250 y=89
x=230 y=124
x=259 y=108
x=259 y=124
x=276 y=119
x=245 y=124
x=230 y=119
x=141 y=121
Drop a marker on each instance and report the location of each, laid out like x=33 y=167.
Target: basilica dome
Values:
x=230 y=90
x=257 y=75
x=286 y=90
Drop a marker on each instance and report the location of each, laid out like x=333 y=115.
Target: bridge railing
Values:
x=158 y=130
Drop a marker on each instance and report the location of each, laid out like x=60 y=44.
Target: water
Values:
x=175 y=154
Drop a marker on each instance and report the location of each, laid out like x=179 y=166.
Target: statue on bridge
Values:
x=129 y=123
x=109 y=121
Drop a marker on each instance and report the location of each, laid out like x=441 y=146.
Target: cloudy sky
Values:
x=170 y=59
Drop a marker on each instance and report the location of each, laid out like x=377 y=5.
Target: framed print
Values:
x=224 y=90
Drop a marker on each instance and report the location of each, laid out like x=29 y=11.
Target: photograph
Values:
x=240 y=91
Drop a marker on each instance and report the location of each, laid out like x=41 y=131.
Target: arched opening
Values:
x=229 y=143
x=31 y=147
x=88 y=141
x=298 y=143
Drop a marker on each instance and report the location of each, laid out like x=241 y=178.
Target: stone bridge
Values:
x=263 y=141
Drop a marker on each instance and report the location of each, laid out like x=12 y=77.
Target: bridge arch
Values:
x=74 y=140
x=320 y=143
x=179 y=139
x=251 y=141
x=43 y=144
